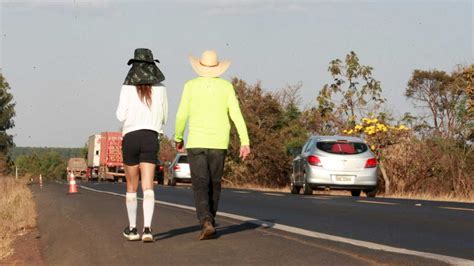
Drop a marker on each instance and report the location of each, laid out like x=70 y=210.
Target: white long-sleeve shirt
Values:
x=136 y=115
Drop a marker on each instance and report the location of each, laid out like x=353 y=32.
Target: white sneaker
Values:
x=147 y=236
x=131 y=233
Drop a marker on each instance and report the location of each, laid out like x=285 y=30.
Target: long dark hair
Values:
x=144 y=93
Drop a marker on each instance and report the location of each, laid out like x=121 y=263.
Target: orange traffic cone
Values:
x=72 y=184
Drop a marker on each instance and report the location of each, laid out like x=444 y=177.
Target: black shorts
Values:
x=140 y=146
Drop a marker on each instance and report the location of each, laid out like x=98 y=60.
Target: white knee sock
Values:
x=148 y=206
x=131 y=202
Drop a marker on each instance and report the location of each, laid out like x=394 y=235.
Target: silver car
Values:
x=334 y=162
x=179 y=170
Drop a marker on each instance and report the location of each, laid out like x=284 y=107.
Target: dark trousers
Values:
x=207 y=167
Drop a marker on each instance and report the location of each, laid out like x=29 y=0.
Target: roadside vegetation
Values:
x=17 y=212
x=65 y=153
x=50 y=164
x=7 y=112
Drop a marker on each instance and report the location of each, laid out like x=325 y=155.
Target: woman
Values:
x=143 y=109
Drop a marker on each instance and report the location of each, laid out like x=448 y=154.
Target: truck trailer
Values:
x=104 y=157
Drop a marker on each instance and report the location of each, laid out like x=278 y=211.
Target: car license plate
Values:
x=344 y=178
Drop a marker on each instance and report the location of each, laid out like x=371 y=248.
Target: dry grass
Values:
x=17 y=212
x=427 y=196
x=413 y=196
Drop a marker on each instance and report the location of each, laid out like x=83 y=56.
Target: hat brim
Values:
x=144 y=73
x=131 y=61
x=208 y=72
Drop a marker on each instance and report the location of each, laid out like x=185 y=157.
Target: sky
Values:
x=66 y=60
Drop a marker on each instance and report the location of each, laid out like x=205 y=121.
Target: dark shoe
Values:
x=207 y=231
x=131 y=233
x=147 y=236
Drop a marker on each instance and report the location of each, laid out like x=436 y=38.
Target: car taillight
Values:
x=176 y=168
x=314 y=160
x=371 y=163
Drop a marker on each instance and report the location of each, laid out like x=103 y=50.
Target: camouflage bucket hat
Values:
x=144 y=70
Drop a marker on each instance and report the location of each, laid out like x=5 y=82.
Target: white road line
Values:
x=307 y=233
x=274 y=194
x=318 y=198
x=457 y=209
x=241 y=192
x=377 y=202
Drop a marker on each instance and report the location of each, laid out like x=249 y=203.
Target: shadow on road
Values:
x=221 y=231
x=177 y=232
x=236 y=228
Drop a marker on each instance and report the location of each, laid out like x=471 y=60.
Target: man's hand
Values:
x=244 y=152
x=179 y=146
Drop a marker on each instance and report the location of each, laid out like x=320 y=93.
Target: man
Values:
x=207 y=102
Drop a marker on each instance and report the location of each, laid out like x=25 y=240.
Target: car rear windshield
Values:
x=183 y=159
x=342 y=147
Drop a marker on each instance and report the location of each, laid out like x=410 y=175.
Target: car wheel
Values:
x=294 y=189
x=307 y=190
x=371 y=193
x=355 y=192
x=172 y=182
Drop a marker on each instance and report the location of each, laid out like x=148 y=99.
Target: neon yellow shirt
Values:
x=208 y=103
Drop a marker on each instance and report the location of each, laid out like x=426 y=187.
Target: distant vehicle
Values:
x=104 y=157
x=78 y=167
x=159 y=173
x=93 y=157
x=334 y=162
x=179 y=170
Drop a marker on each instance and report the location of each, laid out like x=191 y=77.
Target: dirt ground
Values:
x=26 y=250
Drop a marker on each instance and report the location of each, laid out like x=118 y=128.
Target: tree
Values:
x=417 y=124
x=272 y=121
x=379 y=135
x=464 y=80
x=444 y=95
x=354 y=93
x=291 y=122
x=7 y=112
x=83 y=151
x=50 y=164
x=167 y=151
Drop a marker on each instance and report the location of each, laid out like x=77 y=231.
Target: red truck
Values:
x=104 y=157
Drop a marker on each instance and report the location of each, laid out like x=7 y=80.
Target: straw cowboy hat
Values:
x=209 y=66
x=144 y=70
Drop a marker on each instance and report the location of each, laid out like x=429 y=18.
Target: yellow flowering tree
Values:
x=353 y=92
x=378 y=135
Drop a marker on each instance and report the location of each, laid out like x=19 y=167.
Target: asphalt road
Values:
x=86 y=228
